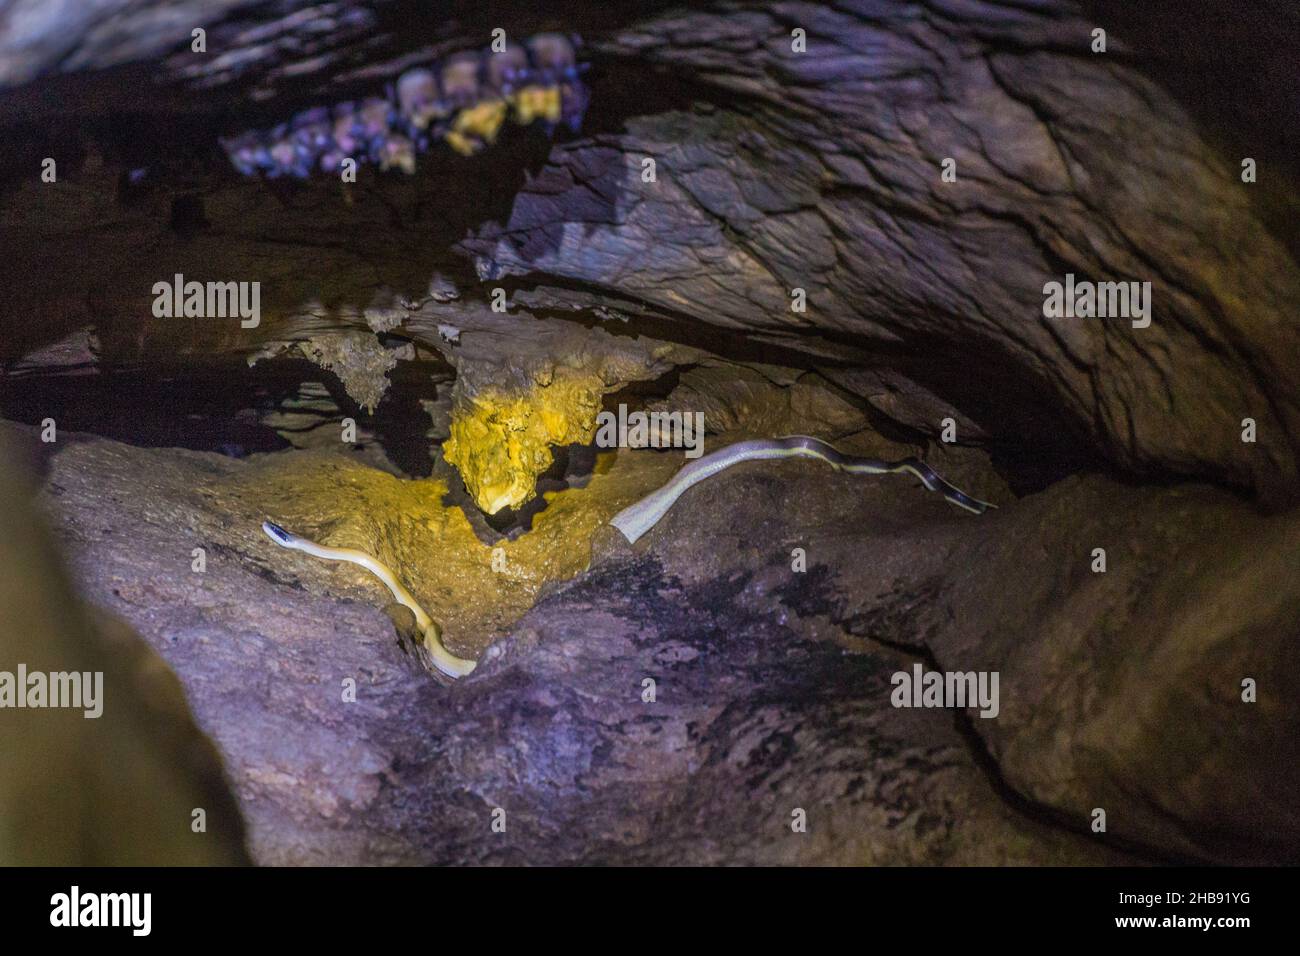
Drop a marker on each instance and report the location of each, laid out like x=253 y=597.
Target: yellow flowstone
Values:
x=500 y=442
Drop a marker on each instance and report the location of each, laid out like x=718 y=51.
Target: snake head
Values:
x=277 y=534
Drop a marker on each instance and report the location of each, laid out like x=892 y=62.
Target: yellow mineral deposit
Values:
x=500 y=442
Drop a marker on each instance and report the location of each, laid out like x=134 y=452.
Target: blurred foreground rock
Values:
x=117 y=789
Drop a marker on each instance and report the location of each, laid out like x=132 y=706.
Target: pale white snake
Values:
x=637 y=519
x=443 y=659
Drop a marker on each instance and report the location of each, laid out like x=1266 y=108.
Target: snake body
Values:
x=637 y=519
x=443 y=659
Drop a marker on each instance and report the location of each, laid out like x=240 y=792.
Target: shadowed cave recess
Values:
x=475 y=236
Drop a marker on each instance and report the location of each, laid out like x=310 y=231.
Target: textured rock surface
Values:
x=554 y=730
x=829 y=182
x=1121 y=690
x=768 y=683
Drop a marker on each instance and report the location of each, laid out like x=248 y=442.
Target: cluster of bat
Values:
x=464 y=102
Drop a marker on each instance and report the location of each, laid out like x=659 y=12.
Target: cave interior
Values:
x=776 y=218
